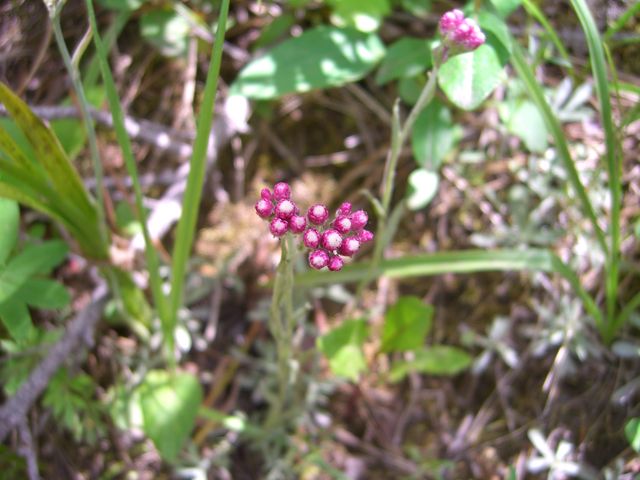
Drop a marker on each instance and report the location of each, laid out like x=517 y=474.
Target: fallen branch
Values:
x=80 y=331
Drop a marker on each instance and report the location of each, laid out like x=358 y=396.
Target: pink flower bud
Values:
x=311 y=238
x=264 y=208
x=318 y=214
x=335 y=264
x=266 y=194
x=365 y=236
x=358 y=220
x=318 y=259
x=450 y=21
x=330 y=239
x=349 y=246
x=278 y=227
x=281 y=191
x=285 y=209
x=297 y=224
x=345 y=209
x=342 y=224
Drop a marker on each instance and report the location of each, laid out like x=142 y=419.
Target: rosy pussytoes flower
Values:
x=335 y=264
x=285 y=209
x=342 y=224
x=278 y=227
x=318 y=259
x=311 y=238
x=349 y=246
x=281 y=191
x=457 y=35
x=297 y=224
x=264 y=208
x=318 y=214
x=358 y=220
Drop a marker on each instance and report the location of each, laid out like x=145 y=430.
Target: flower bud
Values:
x=318 y=259
x=311 y=238
x=318 y=214
x=345 y=209
x=358 y=220
x=450 y=21
x=297 y=224
x=330 y=239
x=335 y=264
x=266 y=194
x=264 y=208
x=349 y=246
x=285 y=209
x=281 y=191
x=278 y=227
x=342 y=224
x=365 y=236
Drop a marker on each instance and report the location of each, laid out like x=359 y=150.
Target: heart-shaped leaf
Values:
x=406 y=325
x=432 y=135
x=169 y=408
x=343 y=348
x=319 y=58
x=407 y=57
x=423 y=187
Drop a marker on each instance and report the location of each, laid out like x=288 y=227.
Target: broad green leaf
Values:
x=407 y=57
x=16 y=148
x=169 y=408
x=48 y=151
x=489 y=22
x=343 y=348
x=16 y=318
x=436 y=360
x=43 y=293
x=418 y=8
x=406 y=325
x=363 y=16
x=526 y=123
x=409 y=90
x=39 y=259
x=319 y=58
x=432 y=135
x=122 y=5
x=274 y=30
x=423 y=187
x=469 y=78
x=167 y=31
x=505 y=7
x=632 y=432
x=9 y=223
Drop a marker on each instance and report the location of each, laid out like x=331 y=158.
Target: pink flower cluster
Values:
x=458 y=35
x=344 y=236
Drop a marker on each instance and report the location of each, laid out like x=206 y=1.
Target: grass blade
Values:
x=599 y=69
x=193 y=192
x=524 y=72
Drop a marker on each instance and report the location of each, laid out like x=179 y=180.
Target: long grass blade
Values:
x=599 y=69
x=125 y=144
x=524 y=72
x=621 y=22
x=193 y=192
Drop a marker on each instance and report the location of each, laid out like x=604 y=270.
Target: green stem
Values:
x=281 y=325
x=91 y=133
x=398 y=137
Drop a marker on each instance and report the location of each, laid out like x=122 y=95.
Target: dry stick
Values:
x=27 y=449
x=80 y=331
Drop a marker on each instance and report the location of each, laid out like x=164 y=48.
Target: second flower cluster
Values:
x=343 y=238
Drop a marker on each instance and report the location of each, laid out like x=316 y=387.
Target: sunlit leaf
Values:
x=436 y=360
x=406 y=325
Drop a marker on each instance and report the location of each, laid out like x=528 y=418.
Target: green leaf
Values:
x=409 y=90
x=127 y=220
x=436 y=360
x=10 y=215
x=38 y=259
x=167 y=31
x=423 y=187
x=274 y=30
x=122 y=5
x=343 y=348
x=526 y=123
x=406 y=325
x=489 y=22
x=48 y=151
x=505 y=7
x=407 y=57
x=363 y=16
x=418 y=8
x=169 y=408
x=43 y=293
x=319 y=58
x=432 y=135
x=469 y=78
x=632 y=432
x=15 y=316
